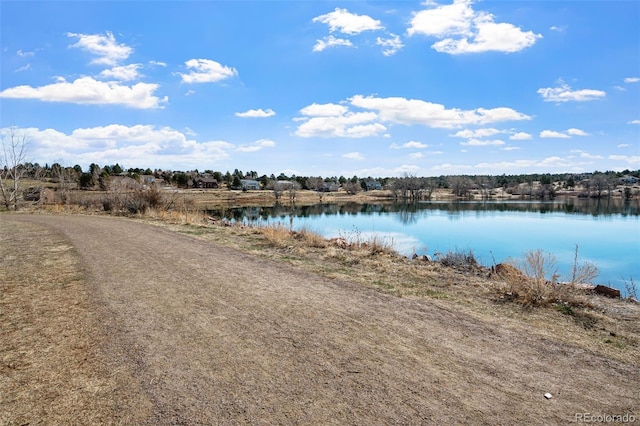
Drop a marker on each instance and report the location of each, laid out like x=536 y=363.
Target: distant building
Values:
x=204 y=183
x=629 y=180
x=249 y=184
x=373 y=184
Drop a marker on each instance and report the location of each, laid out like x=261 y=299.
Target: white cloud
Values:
x=558 y=28
x=365 y=130
x=633 y=160
x=86 y=90
x=553 y=134
x=416 y=155
x=625 y=145
x=343 y=21
x=620 y=88
x=510 y=148
x=24 y=54
x=354 y=156
x=122 y=73
x=324 y=110
x=478 y=133
x=443 y=20
x=414 y=111
x=206 y=71
x=561 y=135
x=334 y=120
x=331 y=120
x=577 y=132
x=544 y=165
x=409 y=145
x=23 y=68
x=563 y=93
x=105 y=47
x=391 y=45
x=586 y=155
x=349 y=125
x=463 y=30
x=257 y=145
x=520 y=136
x=158 y=64
x=256 y=113
x=331 y=41
x=134 y=146
x=478 y=142
x=632 y=79
x=634 y=122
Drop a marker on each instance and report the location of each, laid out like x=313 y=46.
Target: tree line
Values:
x=14 y=168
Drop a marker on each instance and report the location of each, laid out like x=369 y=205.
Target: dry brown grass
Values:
x=602 y=325
x=275 y=234
x=52 y=369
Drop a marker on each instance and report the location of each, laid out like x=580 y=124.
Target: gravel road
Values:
x=217 y=336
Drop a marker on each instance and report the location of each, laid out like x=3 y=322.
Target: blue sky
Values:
x=371 y=88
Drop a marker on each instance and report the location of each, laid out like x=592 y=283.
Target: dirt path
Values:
x=216 y=336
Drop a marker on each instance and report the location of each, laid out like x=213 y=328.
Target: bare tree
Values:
x=315 y=183
x=485 y=185
x=276 y=188
x=460 y=185
x=601 y=183
x=12 y=170
x=293 y=188
x=352 y=188
x=66 y=178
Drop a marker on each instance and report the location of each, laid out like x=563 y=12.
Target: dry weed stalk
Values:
x=533 y=280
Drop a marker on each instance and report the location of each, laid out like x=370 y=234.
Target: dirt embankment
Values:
x=199 y=333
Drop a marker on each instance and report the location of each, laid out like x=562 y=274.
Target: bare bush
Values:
x=352 y=187
x=459 y=259
x=582 y=272
x=631 y=289
x=533 y=281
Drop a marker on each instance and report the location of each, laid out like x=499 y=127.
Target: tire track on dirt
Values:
x=217 y=336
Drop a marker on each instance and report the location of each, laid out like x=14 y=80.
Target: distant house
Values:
x=629 y=180
x=249 y=184
x=207 y=183
x=373 y=184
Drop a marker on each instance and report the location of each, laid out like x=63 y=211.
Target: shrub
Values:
x=459 y=259
x=533 y=281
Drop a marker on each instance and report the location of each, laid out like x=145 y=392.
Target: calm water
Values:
x=607 y=232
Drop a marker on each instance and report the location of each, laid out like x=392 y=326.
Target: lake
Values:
x=607 y=232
